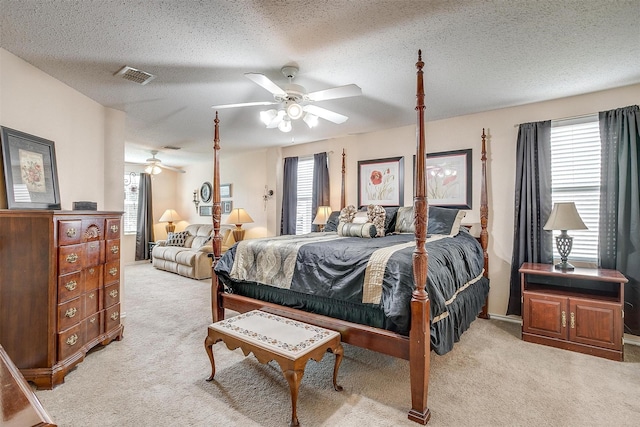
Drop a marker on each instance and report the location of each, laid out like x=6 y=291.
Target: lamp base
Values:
x=564 y=266
x=170 y=227
x=238 y=234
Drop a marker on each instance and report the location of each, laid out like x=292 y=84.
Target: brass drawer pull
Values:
x=71 y=258
x=92 y=270
x=71 y=312
x=71 y=285
x=115 y=315
x=71 y=232
x=113 y=271
x=113 y=293
x=114 y=228
x=573 y=320
x=92 y=295
x=115 y=249
x=92 y=320
x=72 y=339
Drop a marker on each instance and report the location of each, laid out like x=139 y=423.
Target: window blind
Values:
x=575 y=177
x=305 y=192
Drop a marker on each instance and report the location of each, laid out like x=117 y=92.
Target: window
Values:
x=130 y=217
x=304 y=216
x=575 y=177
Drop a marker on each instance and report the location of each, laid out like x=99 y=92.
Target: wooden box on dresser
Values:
x=59 y=288
x=579 y=310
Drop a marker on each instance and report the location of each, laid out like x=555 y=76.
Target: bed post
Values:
x=484 y=216
x=420 y=333
x=343 y=196
x=217 y=311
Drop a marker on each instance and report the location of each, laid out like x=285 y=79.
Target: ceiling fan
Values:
x=295 y=102
x=155 y=166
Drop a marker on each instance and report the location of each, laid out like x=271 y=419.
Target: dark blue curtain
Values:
x=532 y=204
x=144 y=231
x=619 y=234
x=320 y=194
x=289 y=196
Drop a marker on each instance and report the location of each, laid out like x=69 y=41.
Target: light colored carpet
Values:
x=155 y=376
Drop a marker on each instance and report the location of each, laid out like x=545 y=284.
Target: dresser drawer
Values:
x=91 y=302
x=113 y=250
x=112 y=317
x=70 y=258
x=93 y=253
x=111 y=272
x=69 y=232
x=70 y=341
x=92 y=277
x=92 y=229
x=111 y=294
x=113 y=228
x=70 y=313
x=70 y=286
x=92 y=327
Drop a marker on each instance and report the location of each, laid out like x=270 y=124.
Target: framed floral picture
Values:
x=449 y=179
x=381 y=182
x=30 y=173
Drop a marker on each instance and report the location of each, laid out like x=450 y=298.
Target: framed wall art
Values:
x=226 y=207
x=206 y=210
x=30 y=172
x=225 y=190
x=206 y=192
x=381 y=182
x=449 y=179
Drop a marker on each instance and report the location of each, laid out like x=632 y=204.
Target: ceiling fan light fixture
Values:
x=294 y=110
x=153 y=169
x=311 y=120
x=267 y=116
x=285 y=125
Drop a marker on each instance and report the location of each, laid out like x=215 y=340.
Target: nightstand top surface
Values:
x=601 y=274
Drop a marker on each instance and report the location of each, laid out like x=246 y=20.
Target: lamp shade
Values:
x=170 y=215
x=239 y=216
x=322 y=216
x=565 y=216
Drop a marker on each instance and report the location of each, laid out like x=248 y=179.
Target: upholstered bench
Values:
x=271 y=337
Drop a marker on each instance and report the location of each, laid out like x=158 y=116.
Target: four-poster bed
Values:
x=414 y=342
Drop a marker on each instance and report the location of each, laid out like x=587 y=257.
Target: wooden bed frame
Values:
x=416 y=347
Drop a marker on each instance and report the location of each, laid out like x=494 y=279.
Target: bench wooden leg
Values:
x=338 y=351
x=208 y=344
x=294 y=377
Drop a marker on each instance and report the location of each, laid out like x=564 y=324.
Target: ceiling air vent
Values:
x=136 y=76
x=171 y=147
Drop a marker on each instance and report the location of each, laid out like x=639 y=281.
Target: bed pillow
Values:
x=332 y=222
x=177 y=239
x=390 y=219
x=349 y=229
x=405 y=220
x=444 y=220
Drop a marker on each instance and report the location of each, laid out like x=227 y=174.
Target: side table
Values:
x=579 y=310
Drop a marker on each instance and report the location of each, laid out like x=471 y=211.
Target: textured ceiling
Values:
x=480 y=55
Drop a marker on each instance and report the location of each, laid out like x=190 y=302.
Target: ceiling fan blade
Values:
x=335 y=93
x=243 y=104
x=170 y=168
x=323 y=113
x=266 y=83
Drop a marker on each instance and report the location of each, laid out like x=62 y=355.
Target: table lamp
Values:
x=322 y=216
x=564 y=216
x=169 y=216
x=238 y=216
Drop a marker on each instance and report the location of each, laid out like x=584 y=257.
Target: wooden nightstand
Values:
x=579 y=310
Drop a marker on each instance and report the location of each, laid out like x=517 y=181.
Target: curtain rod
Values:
x=565 y=118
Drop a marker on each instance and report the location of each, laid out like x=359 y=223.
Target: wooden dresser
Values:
x=59 y=288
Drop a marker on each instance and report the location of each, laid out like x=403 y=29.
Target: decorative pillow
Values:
x=360 y=218
x=376 y=215
x=347 y=229
x=177 y=239
x=405 y=220
x=390 y=219
x=347 y=213
x=444 y=220
x=332 y=222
